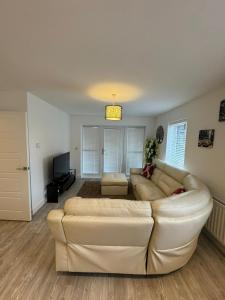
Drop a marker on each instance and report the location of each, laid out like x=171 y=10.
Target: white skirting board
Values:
x=38 y=206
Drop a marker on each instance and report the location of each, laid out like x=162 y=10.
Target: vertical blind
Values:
x=135 y=147
x=91 y=150
x=176 y=141
x=113 y=152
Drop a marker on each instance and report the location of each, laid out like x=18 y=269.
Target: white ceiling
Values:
x=172 y=51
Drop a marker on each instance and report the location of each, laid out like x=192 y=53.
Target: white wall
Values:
x=77 y=121
x=49 y=135
x=208 y=164
x=13 y=101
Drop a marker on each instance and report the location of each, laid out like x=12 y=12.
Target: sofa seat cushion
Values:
x=168 y=185
x=149 y=192
x=106 y=207
x=114 y=179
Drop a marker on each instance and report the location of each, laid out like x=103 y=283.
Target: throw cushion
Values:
x=179 y=191
x=143 y=173
x=148 y=170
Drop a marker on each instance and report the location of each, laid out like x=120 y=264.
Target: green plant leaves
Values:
x=150 y=150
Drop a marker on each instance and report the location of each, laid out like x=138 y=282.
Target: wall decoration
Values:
x=222 y=111
x=160 y=134
x=206 y=138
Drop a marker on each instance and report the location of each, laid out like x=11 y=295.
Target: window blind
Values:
x=112 y=150
x=91 y=150
x=176 y=141
x=135 y=146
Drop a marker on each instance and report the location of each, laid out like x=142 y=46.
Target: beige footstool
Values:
x=114 y=184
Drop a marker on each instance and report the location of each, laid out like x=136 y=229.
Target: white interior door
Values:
x=113 y=150
x=14 y=167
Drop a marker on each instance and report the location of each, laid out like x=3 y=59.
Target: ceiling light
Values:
x=113 y=112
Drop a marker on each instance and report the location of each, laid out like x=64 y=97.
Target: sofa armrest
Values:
x=135 y=171
x=54 y=219
x=182 y=205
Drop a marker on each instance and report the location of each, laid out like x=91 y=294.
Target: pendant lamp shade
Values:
x=113 y=112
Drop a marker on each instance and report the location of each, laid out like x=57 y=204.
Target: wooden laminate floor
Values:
x=27 y=270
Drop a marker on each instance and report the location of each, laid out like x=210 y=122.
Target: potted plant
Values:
x=150 y=150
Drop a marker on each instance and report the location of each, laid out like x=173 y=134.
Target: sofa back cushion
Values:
x=107 y=231
x=157 y=173
x=193 y=183
x=176 y=173
x=168 y=178
x=168 y=185
x=107 y=222
x=78 y=206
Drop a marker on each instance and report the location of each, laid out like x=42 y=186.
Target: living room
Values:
x=112 y=150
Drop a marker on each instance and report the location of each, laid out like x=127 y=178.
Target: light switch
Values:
x=38 y=145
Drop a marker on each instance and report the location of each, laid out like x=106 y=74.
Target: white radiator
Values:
x=216 y=222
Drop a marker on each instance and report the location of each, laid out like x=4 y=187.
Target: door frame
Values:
x=29 y=170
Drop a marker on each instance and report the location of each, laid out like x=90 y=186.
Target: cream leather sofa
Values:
x=102 y=235
x=133 y=237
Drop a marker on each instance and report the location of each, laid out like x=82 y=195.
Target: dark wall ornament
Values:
x=206 y=138
x=160 y=134
x=222 y=111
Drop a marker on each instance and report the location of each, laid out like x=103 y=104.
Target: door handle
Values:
x=23 y=169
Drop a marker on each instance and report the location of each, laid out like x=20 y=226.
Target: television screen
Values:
x=61 y=165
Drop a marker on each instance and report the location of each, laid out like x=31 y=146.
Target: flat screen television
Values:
x=61 y=166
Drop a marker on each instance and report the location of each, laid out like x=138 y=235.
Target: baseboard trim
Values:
x=218 y=245
x=38 y=206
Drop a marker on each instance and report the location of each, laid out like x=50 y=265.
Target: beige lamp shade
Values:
x=113 y=112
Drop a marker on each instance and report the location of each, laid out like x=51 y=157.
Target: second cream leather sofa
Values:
x=132 y=237
x=164 y=181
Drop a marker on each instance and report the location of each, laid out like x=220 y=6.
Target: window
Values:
x=135 y=146
x=176 y=140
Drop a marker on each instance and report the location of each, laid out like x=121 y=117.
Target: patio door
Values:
x=112 y=149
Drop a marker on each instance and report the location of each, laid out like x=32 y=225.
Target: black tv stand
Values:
x=65 y=183
x=59 y=186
